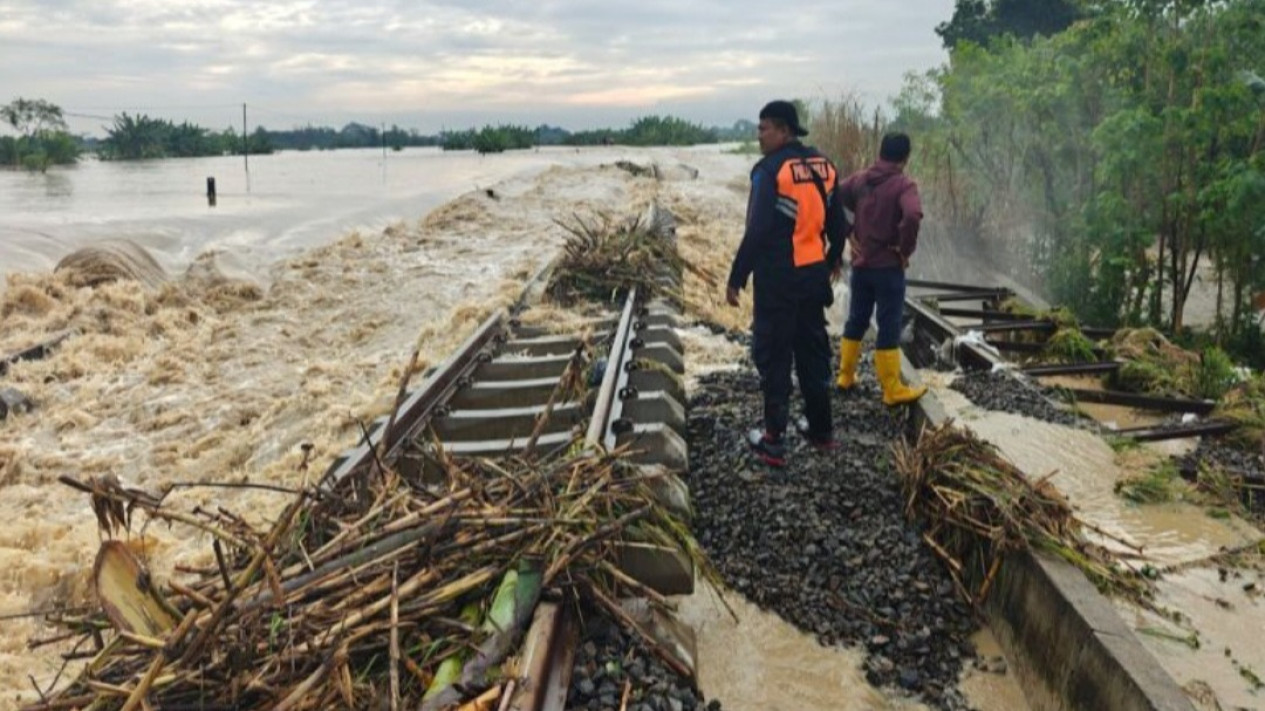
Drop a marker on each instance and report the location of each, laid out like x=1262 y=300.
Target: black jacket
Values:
x=792 y=240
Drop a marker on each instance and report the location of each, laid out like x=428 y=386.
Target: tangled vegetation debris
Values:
x=604 y=256
x=978 y=507
x=390 y=590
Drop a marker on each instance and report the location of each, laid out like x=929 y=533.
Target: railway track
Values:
x=981 y=337
x=509 y=391
x=498 y=390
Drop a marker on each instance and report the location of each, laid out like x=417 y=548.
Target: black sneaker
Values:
x=821 y=444
x=767 y=448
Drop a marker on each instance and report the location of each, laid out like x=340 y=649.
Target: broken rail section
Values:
x=971 y=338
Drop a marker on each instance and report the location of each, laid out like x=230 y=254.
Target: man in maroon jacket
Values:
x=887 y=214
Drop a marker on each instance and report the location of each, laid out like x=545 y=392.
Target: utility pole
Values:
x=245 y=147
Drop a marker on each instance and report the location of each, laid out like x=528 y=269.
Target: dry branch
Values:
x=328 y=604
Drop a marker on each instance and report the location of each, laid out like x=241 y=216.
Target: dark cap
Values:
x=785 y=112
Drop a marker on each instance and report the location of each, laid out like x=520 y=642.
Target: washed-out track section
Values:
x=497 y=395
x=963 y=325
x=1076 y=650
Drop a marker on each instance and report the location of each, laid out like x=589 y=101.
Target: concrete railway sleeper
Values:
x=958 y=337
x=499 y=394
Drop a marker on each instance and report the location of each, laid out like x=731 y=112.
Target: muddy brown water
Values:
x=1113 y=416
x=226 y=390
x=1215 y=650
x=218 y=380
x=754 y=660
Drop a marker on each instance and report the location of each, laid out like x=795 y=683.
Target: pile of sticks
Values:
x=393 y=593
x=977 y=507
x=603 y=257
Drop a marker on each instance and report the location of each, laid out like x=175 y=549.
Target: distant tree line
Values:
x=645 y=131
x=43 y=139
x=142 y=137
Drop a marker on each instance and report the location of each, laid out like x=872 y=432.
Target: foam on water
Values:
x=220 y=373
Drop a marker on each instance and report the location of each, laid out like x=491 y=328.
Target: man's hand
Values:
x=836 y=272
x=731 y=296
x=854 y=248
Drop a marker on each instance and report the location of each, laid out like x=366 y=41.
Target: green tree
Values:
x=981 y=21
x=136 y=138
x=259 y=142
x=1115 y=161
x=491 y=140
x=32 y=116
x=666 y=131
x=142 y=137
x=42 y=138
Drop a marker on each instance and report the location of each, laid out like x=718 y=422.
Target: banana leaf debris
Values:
x=388 y=594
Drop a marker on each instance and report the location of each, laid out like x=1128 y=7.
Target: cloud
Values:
x=562 y=61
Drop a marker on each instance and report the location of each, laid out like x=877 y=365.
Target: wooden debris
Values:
x=126 y=593
x=977 y=507
x=604 y=257
x=350 y=588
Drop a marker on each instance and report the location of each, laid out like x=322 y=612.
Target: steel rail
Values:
x=947 y=285
x=416 y=410
x=930 y=319
x=1038 y=371
x=609 y=406
x=943 y=329
x=991 y=295
x=1160 y=433
x=1140 y=402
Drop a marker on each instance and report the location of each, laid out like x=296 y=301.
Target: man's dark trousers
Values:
x=883 y=288
x=790 y=329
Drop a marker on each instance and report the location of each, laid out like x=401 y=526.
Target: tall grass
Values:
x=850 y=132
x=847 y=131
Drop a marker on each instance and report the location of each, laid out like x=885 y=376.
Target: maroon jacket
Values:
x=887 y=215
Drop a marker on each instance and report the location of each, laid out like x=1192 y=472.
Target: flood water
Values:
x=150 y=408
x=1214 y=650
x=290 y=200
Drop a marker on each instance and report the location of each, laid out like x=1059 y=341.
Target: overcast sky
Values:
x=433 y=63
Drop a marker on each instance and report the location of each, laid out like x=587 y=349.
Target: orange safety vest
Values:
x=802 y=199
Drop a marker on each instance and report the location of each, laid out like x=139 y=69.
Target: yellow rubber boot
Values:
x=849 y=354
x=895 y=392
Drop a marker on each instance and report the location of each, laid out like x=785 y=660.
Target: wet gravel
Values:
x=824 y=543
x=742 y=338
x=608 y=659
x=1005 y=393
x=1245 y=466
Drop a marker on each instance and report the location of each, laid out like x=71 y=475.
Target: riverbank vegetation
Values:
x=1112 y=155
x=43 y=140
